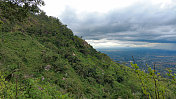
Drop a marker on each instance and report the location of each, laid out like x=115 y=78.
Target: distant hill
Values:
x=40 y=58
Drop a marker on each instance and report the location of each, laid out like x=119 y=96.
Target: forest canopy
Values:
x=19 y=9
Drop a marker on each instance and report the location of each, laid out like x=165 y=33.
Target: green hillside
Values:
x=40 y=58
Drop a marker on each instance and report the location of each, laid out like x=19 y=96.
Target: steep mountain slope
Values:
x=44 y=48
x=41 y=58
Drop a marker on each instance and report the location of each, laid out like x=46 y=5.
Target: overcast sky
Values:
x=119 y=23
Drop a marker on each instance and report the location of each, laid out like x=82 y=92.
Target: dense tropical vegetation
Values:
x=41 y=58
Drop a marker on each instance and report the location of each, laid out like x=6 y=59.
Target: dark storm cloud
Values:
x=140 y=22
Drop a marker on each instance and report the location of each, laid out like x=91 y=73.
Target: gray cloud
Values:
x=141 y=22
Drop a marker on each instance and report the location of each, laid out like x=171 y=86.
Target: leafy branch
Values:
x=150 y=88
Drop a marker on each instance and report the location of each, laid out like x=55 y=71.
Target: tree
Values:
x=19 y=9
x=31 y=5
